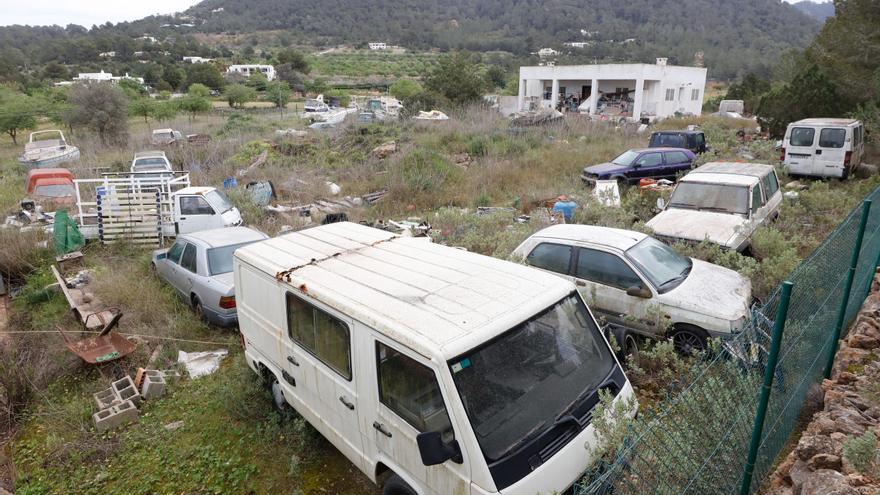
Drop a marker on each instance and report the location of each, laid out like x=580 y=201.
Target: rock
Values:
x=822 y=424
x=825 y=461
x=863 y=341
x=848 y=420
x=857 y=480
x=798 y=474
x=846 y=378
x=173 y=426
x=384 y=150
x=827 y=482
x=463 y=160
x=811 y=445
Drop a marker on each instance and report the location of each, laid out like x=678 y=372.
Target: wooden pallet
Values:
x=133 y=216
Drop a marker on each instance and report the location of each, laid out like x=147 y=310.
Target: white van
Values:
x=434 y=369
x=823 y=147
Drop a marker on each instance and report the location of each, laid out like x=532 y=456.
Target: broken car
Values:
x=647 y=163
x=51 y=188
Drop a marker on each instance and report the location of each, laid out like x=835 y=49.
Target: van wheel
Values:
x=279 y=402
x=396 y=486
x=689 y=339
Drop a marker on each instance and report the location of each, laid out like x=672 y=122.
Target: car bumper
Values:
x=221 y=319
x=590 y=180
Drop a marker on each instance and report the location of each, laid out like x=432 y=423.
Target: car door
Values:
x=188 y=271
x=799 y=154
x=410 y=401
x=648 y=165
x=757 y=209
x=194 y=214
x=604 y=278
x=676 y=161
x=831 y=152
x=167 y=268
x=320 y=372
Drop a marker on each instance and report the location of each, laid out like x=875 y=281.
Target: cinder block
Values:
x=115 y=416
x=171 y=376
x=154 y=385
x=126 y=390
x=106 y=398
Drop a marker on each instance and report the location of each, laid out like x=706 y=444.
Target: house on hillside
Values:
x=547 y=52
x=197 y=60
x=248 y=70
x=107 y=54
x=378 y=46
x=619 y=91
x=95 y=77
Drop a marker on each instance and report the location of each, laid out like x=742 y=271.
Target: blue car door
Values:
x=648 y=165
x=677 y=162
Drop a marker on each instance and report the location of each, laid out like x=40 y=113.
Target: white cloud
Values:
x=85 y=12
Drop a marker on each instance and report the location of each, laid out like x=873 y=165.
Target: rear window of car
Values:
x=832 y=138
x=802 y=136
x=669 y=140
x=55 y=191
x=220 y=258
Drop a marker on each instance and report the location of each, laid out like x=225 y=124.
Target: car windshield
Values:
x=219 y=201
x=664 y=267
x=626 y=158
x=150 y=164
x=515 y=387
x=55 y=191
x=711 y=197
x=220 y=258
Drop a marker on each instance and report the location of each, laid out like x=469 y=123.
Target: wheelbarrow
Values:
x=103 y=348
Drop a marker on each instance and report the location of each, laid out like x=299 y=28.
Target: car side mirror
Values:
x=638 y=291
x=434 y=451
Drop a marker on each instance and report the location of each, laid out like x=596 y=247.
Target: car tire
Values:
x=153 y=269
x=199 y=309
x=631 y=349
x=396 y=486
x=279 y=403
x=621 y=181
x=689 y=339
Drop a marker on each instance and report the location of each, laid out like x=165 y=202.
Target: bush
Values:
x=862 y=453
x=423 y=171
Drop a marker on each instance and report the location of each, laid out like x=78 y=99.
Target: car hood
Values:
x=604 y=168
x=694 y=225
x=713 y=290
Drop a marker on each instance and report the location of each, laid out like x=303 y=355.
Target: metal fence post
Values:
x=769 y=373
x=850 y=275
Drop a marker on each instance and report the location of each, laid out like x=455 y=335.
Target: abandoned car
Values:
x=636 y=164
x=689 y=139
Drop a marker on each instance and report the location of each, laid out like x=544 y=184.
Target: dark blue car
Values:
x=632 y=165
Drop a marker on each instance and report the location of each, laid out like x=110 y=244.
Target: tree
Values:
x=142 y=107
x=810 y=94
x=199 y=89
x=258 y=81
x=317 y=86
x=55 y=71
x=404 y=89
x=195 y=101
x=749 y=90
x=278 y=92
x=132 y=88
x=17 y=115
x=239 y=94
x=294 y=60
x=496 y=76
x=457 y=79
x=102 y=108
x=173 y=76
x=205 y=74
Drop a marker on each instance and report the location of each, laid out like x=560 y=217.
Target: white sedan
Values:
x=638 y=283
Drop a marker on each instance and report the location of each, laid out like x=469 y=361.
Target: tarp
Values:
x=201 y=363
x=67 y=236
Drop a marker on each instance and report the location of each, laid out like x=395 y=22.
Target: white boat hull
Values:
x=69 y=155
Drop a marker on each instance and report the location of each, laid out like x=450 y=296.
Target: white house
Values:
x=107 y=54
x=250 y=69
x=547 y=52
x=378 y=46
x=197 y=60
x=104 y=77
x=629 y=91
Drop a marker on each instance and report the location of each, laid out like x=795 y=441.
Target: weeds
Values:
x=862 y=452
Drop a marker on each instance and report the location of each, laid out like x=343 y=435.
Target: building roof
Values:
x=437 y=300
x=594 y=234
x=823 y=121
x=225 y=236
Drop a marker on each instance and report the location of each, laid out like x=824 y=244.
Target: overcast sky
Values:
x=88 y=12
x=85 y=12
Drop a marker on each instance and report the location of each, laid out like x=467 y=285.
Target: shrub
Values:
x=862 y=453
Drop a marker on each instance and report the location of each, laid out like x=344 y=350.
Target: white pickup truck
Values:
x=143 y=205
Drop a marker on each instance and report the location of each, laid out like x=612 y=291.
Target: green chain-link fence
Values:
x=698 y=439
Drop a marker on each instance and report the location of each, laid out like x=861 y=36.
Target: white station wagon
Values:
x=642 y=285
x=722 y=202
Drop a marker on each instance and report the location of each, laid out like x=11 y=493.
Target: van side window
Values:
x=553 y=257
x=605 y=269
x=410 y=389
x=802 y=136
x=175 y=251
x=319 y=333
x=832 y=138
x=188 y=260
x=195 y=205
x=757 y=201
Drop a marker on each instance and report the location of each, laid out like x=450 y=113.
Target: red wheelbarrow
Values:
x=103 y=348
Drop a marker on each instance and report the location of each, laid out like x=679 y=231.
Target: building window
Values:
x=695 y=94
x=670 y=94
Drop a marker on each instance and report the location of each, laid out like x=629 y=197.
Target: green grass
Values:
x=363 y=64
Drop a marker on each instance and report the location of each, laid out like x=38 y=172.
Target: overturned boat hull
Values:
x=48 y=159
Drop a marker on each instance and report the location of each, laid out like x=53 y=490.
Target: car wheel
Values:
x=153 y=269
x=199 y=309
x=631 y=349
x=689 y=339
x=396 y=486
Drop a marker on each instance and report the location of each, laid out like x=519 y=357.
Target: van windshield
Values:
x=723 y=198
x=517 y=386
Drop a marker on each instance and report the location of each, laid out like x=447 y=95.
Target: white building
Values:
x=248 y=70
x=547 y=52
x=378 y=46
x=578 y=44
x=104 y=77
x=627 y=91
x=107 y=54
x=197 y=60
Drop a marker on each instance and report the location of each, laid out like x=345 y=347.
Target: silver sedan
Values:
x=199 y=267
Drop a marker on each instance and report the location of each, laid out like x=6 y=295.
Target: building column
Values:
x=594 y=96
x=554 y=95
x=522 y=95
x=637 y=101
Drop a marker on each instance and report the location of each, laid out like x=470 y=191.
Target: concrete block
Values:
x=126 y=390
x=106 y=398
x=115 y=416
x=171 y=376
x=154 y=385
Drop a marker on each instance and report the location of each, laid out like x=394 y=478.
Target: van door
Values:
x=800 y=149
x=318 y=361
x=758 y=211
x=410 y=401
x=193 y=214
x=831 y=152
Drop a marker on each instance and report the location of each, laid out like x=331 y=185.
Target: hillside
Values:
x=734 y=34
x=818 y=11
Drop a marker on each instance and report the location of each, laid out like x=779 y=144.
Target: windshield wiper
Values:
x=681 y=276
x=714 y=208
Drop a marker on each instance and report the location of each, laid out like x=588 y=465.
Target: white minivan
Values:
x=823 y=147
x=433 y=369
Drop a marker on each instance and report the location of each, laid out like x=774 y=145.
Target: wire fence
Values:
x=698 y=439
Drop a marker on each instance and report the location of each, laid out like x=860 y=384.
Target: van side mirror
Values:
x=638 y=291
x=434 y=451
